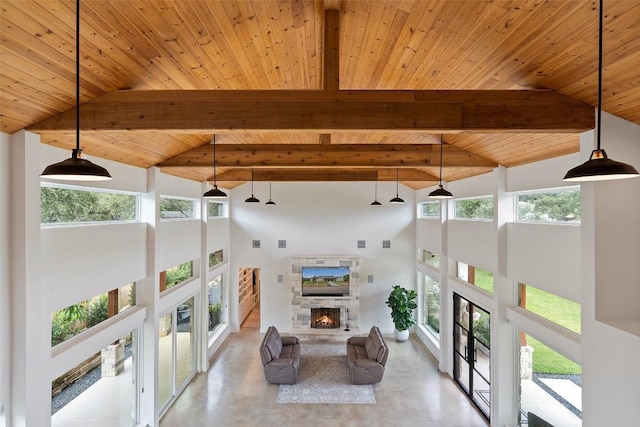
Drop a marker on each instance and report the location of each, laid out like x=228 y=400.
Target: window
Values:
x=430 y=210
x=113 y=371
x=475 y=276
x=431 y=304
x=65 y=205
x=558 y=310
x=214 y=292
x=550 y=386
x=175 y=275
x=215 y=209
x=171 y=208
x=76 y=318
x=215 y=258
x=476 y=208
x=430 y=258
x=562 y=205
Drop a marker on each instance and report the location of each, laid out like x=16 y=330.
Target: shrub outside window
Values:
x=175 y=275
x=171 y=208
x=72 y=320
x=475 y=208
x=430 y=210
x=562 y=205
x=68 y=205
x=432 y=304
x=556 y=309
x=475 y=276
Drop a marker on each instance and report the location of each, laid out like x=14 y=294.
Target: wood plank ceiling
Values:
x=312 y=90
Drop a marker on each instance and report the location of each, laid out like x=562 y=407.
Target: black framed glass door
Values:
x=472 y=352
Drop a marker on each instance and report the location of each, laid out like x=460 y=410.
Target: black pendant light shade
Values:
x=397 y=199
x=77 y=167
x=214 y=193
x=440 y=192
x=252 y=199
x=599 y=167
x=270 y=202
x=375 y=199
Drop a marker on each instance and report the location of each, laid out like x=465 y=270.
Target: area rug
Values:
x=324 y=378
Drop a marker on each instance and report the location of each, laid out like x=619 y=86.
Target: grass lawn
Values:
x=547 y=361
x=558 y=310
x=484 y=279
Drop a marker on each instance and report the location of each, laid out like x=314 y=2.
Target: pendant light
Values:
x=440 y=192
x=270 y=202
x=77 y=167
x=396 y=199
x=214 y=193
x=599 y=167
x=252 y=199
x=375 y=199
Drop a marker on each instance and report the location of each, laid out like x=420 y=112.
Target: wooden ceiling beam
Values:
x=333 y=174
x=327 y=155
x=199 y=111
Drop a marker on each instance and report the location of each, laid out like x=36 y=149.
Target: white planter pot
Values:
x=401 y=336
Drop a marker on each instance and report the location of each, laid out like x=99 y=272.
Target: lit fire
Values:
x=324 y=321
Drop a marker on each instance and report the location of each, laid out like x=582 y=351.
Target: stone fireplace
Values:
x=325 y=318
x=347 y=308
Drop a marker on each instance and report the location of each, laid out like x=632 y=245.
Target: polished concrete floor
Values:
x=234 y=393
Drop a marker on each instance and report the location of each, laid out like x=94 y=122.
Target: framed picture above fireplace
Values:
x=325 y=281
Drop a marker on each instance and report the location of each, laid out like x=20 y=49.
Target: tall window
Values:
x=431 y=304
x=109 y=372
x=174 y=208
x=550 y=386
x=475 y=276
x=214 y=295
x=558 y=310
x=561 y=205
x=67 y=205
x=474 y=208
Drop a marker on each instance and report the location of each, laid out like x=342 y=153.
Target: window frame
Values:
x=454 y=211
x=69 y=187
x=567 y=189
x=195 y=211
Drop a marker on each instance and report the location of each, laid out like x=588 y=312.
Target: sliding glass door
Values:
x=472 y=352
x=176 y=351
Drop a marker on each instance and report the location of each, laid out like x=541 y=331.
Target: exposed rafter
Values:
x=320 y=111
x=327 y=155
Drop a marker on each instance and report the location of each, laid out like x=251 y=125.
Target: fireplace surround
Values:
x=348 y=307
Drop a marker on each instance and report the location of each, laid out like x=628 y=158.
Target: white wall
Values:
x=610 y=271
x=5 y=260
x=324 y=218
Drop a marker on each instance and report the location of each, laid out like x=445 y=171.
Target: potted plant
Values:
x=214 y=315
x=402 y=303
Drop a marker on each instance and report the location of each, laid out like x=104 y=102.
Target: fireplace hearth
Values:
x=325 y=318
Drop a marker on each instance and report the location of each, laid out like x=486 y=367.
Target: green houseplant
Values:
x=402 y=303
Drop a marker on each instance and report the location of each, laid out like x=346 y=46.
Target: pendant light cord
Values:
x=599 y=111
x=77 y=75
x=215 y=182
x=441 y=142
